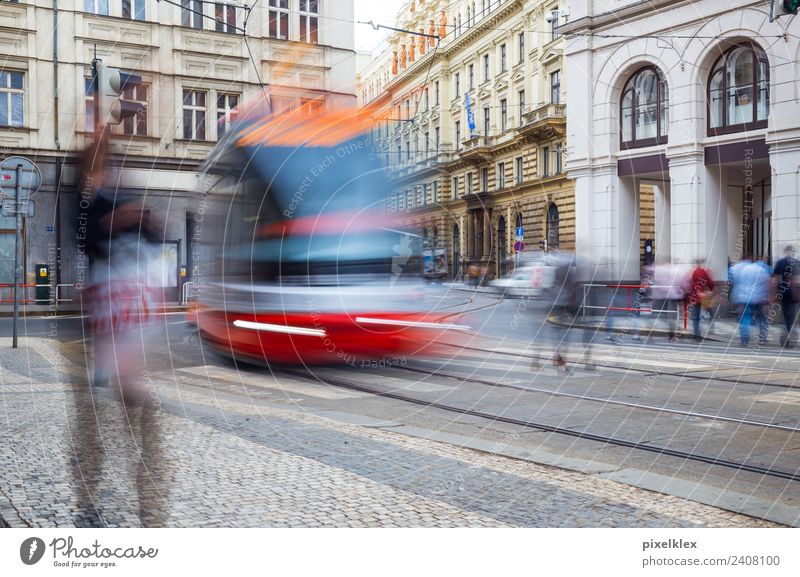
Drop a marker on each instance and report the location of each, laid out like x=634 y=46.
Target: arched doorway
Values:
x=551 y=238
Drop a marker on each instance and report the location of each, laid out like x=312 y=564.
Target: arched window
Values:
x=738 y=90
x=552 y=226
x=518 y=220
x=435 y=237
x=644 y=109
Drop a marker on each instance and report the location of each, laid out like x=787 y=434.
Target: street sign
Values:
x=26 y=208
x=520 y=231
x=519 y=246
x=30 y=176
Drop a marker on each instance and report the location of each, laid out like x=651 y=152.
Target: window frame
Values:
x=310 y=33
x=229 y=112
x=132 y=125
x=192 y=14
x=228 y=13
x=10 y=91
x=95 y=7
x=662 y=136
x=195 y=109
x=555 y=87
x=133 y=14
x=501 y=175
x=757 y=54
x=278 y=17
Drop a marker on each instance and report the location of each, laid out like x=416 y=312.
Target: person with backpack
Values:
x=786 y=285
x=699 y=294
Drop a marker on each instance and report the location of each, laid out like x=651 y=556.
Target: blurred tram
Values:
x=301 y=264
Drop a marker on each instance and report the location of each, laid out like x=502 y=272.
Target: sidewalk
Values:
x=724 y=329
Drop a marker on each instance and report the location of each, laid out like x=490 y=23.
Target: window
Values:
x=225 y=16
x=279 y=19
x=191 y=13
x=436 y=133
x=521 y=104
x=559 y=159
x=552 y=226
x=454 y=193
x=487 y=120
x=427 y=144
x=12 y=98
x=408 y=109
x=458 y=134
x=457 y=81
x=518 y=169
x=503 y=114
x=469 y=183
x=227 y=112
x=544 y=170
x=521 y=40
x=471 y=76
x=644 y=109
x=408 y=149
x=138 y=12
x=194 y=115
x=309 y=18
x=89 y=101
x=484 y=179
x=427 y=101
x=399 y=153
x=435 y=191
x=137 y=124
x=502 y=58
x=96 y=7
x=555 y=87
x=436 y=93
x=554 y=24
x=738 y=90
x=8 y=236
x=501 y=175
x=486 y=74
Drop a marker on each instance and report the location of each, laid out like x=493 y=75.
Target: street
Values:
x=635 y=434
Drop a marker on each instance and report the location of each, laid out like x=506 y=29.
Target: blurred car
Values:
x=549 y=276
x=529 y=281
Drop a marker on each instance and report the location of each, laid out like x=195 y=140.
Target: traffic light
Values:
x=117 y=94
x=778 y=8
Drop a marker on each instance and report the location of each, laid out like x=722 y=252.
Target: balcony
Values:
x=545 y=122
x=477 y=147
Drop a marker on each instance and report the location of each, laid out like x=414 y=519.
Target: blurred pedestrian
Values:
x=750 y=293
x=668 y=293
x=699 y=295
x=119 y=246
x=785 y=290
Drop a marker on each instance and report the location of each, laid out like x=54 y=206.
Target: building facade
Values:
x=474 y=127
x=198 y=67
x=698 y=103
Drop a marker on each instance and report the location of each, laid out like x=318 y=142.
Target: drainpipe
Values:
x=59 y=160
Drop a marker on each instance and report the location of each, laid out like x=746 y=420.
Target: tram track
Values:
x=688 y=375
x=530 y=424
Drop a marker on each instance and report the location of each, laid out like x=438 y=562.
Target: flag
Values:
x=470 y=116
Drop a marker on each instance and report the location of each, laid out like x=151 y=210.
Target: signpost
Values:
x=25 y=178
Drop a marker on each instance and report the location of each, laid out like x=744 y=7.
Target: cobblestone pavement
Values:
x=233 y=462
